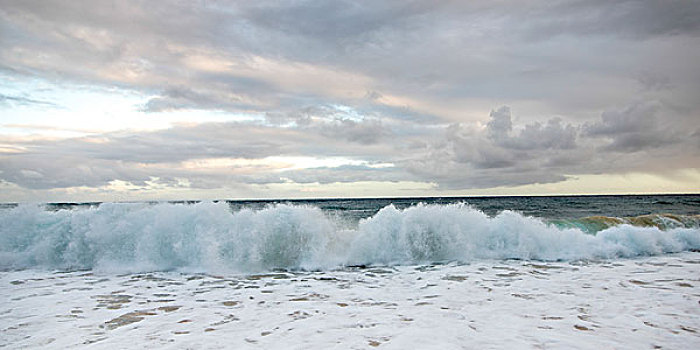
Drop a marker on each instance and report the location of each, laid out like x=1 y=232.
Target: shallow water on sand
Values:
x=650 y=302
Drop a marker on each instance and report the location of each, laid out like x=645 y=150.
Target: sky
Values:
x=165 y=100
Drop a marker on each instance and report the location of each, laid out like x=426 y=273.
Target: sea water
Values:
x=516 y=272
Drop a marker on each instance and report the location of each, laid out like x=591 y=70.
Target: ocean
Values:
x=565 y=272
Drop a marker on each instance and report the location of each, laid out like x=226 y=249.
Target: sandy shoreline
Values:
x=651 y=302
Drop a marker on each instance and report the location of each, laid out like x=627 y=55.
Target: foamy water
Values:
x=637 y=303
x=296 y=276
x=208 y=237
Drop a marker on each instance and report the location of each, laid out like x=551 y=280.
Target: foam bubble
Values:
x=209 y=237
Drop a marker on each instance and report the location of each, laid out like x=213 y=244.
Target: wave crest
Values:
x=594 y=224
x=209 y=237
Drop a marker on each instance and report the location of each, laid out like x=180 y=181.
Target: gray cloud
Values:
x=505 y=154
x=442 y=51
x=96 y=160
x=457 y=156
x=500 y=125
x=364 y=132
x=407 y=83
x=551 y=135
x=346 y=173
x=25 y=101
x=41 y=171
x=637 y=19
x=635 y=128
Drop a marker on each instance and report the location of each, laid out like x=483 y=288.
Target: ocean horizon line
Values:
x=311 y=199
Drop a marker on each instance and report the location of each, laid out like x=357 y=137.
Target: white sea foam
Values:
x=641 y=303
x=209 y=237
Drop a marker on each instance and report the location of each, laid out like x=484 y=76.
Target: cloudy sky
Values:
x=134 y=100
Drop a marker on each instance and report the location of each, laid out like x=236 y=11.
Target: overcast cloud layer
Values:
x=453 y=95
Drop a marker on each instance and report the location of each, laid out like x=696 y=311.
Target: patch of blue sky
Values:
x=30 y=106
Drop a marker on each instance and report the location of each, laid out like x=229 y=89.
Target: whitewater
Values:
x=311 y=275
x=208 y=237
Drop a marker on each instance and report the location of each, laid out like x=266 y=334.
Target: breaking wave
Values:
x=593 y=224
x=208 y=237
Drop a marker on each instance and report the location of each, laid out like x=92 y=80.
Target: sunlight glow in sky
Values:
x=171 y=100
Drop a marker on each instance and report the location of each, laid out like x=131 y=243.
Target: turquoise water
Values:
x=250 y=236
x=547 y=207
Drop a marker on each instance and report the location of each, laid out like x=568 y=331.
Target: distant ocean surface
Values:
x=584 y=272
x=253 y=236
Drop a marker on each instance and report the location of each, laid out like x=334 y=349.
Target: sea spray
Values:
x=207 y=237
